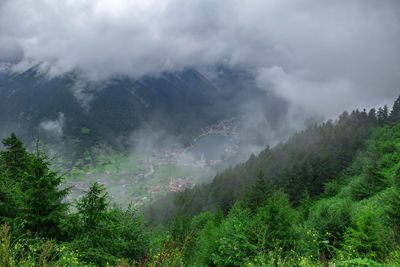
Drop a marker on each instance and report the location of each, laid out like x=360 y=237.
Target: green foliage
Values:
x=244 y=234
x=106 y=234
x=92 y=207
x=15 y=159
x=305 y=204
x=257 y=194
x=369 y=238
x=359 y=263
x=180 y=226
x=85 y=130
x=171 y=254
x=372 y=182
x=237 y=240
x=392 y=204
x=274 y=223
x=396 y=179
x=336 y=201
x=383 y=115
x=44 y=207
x=35 y=252
x=204 y=240
x=395 y=112
x=306 y=162
x=29 y=190
x=330 y=217
x=10 y=197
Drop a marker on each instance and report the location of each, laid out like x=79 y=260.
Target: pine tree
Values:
x=44 y=208
x=394 y=204
x=395 y=113
x=10 y=197
x=93 y=206
x=371 y=183
x=374 y=178
x=257 y=194
x=15 y=159
x=275 y=221
x=372 y=113
x=305 y=204
x=13 y=169
x=383 y=115
x=372 y=116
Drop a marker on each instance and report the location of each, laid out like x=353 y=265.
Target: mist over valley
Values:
x=199 y=133
x=137 y=135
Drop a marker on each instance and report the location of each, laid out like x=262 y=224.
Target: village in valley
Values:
x=155 y=175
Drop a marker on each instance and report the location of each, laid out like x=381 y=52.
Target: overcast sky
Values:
x=320 y=55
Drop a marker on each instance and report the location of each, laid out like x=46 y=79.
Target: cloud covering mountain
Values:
x=322 y=56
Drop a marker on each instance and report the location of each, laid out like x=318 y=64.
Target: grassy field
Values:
x=124 y=176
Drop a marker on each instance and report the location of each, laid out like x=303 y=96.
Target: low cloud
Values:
x=147 y=140
x=84 y=90
x=10 y=51
x=339 y=53
x=307 y=95
x=54 y=127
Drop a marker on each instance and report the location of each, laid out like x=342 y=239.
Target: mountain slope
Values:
x=352 y=220
x=305 y=163
x=110 y=110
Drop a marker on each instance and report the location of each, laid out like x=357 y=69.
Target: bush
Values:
x=237 y=240
x=330 y=218
x=369 y=237
x=274 y=223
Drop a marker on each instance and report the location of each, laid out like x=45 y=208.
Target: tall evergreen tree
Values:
x=10 y=197
x=93 y=206
x=305 y=204
x=395 y=112
x=257 y=194
x=372 y=114
x=44 y=201
x=383 y=114
x=371 y=183
x=394 y=204
x=14 y=163
x=15 y=159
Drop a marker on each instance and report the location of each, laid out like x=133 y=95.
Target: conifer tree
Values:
x=383 y=114
x=44 y=208
x=14 y=163
x=305 y=204
x=395 y=112
x=93 y=206
x=257 y=194
x=394 y=204
x=9 y=197
x=15 y=159
x=372 y=114
x=373 y=181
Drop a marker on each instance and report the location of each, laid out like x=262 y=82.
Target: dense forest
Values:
x=330 y=194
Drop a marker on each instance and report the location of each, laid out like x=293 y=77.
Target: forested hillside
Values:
x=330 y=194
x=302 y=165
x=81 y=114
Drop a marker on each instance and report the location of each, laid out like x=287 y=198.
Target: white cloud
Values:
x=347 y=48
x=304 y=93
x=54 y=127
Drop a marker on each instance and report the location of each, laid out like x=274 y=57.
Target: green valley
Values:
x=329 y=195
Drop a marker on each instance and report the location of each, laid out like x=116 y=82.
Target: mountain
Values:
x=113 y=107
x=70 y=107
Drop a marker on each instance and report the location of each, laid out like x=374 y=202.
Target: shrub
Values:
x=330 y=218
x=369 y=237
